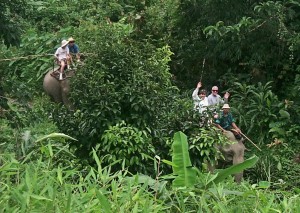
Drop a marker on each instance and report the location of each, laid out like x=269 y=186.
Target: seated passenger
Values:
x=62 y=55
x=200 y=99
x=215 y=99
x=74 y=49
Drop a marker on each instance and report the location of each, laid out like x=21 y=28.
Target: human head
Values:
x=226 y=108
x=202 y=93
x=214 y=90
x=64 y=43
x=71 y=41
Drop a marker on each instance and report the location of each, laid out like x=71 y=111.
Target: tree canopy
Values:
x=11 y=21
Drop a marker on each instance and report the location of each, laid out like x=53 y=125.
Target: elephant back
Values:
x=230 y=136
x=52 y=87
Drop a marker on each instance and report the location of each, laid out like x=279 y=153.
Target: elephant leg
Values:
x=65 y=90
x=238 y=157
x=211 y=167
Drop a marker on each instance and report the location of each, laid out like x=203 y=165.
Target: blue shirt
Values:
x=225 y=121
x=73 y=49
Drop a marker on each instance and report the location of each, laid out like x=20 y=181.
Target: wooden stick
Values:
x=248 y=139
x=203 y=63
x=251 y=141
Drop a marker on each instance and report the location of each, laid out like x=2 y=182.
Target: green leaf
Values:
x=104 y=202
x=186 y=175
x=169 y=163
x=95 y=156
x=279 y=166
x=55 y=135
x=50 y=149
x=38 y=197
x=223 y=174
x=284 y=114
x=264 y=184
x=59 y=175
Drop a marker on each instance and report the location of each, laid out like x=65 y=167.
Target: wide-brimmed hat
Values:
x=64 y=43
x=71 y=39
x=226 y=106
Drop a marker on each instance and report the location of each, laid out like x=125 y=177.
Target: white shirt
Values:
x=62 y=53
x=199 y=104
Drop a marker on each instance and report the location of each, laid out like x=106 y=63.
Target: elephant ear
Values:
x=182 y=166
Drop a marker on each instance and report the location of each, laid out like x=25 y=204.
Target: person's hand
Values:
x=227 y=94
x=238 y=130
x=199 y=85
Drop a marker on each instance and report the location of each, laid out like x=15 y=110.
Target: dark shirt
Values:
x=74 y=49
x=225 y=121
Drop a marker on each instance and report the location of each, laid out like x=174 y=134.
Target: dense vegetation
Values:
x=112 y=151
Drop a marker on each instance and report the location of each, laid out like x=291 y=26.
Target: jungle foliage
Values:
x=141 y=60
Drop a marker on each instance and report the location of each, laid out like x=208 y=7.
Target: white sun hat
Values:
x=226 y=106
x=64 y=43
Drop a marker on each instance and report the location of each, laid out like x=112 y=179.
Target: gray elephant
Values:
x=232 y=152
x=58 y=90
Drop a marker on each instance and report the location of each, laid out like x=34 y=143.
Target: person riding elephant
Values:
x=62 y=55
x=226 y=121
x=215 y=99
x=199 y=98
x=74 y=49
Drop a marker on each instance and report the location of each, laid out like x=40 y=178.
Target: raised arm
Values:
x=195 y=92
x=226 y=96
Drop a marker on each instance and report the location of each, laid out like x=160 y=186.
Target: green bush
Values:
x=126 y=143
x=203 y=146
x=278 y=165
x=121 y=80
x=7 y=137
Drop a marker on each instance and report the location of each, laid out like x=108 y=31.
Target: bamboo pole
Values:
x=250 y=141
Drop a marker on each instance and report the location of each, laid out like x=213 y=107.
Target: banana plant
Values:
x=186 y=174
x=182 y=166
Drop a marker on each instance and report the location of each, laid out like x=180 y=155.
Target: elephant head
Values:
x=58 y=90
x=232 y=153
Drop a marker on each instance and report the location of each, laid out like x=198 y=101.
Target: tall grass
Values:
x=43 y=181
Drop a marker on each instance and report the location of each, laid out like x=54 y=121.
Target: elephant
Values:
x=231 y=152
x=58 y=90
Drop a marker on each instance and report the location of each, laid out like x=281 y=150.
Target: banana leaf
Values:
x=223 y=174
x=184 y=172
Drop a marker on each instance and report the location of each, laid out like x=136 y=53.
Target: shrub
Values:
x=121 y=80
x=203 y=146
x=126 y=143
